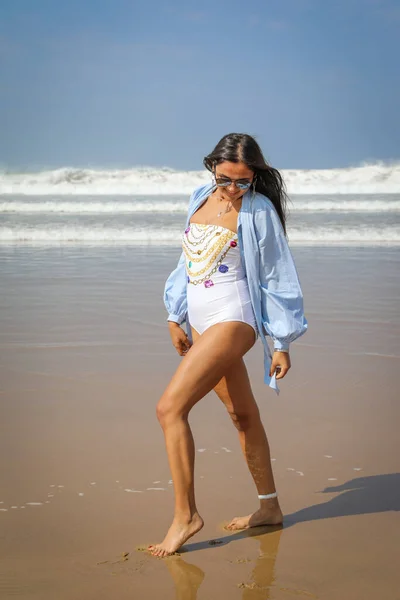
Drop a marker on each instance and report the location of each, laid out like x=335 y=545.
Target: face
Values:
x=232 y=171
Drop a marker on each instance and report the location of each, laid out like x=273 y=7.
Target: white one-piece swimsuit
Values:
x=217 y=289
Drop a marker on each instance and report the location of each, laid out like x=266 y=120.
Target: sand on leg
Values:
x=211 y=354
x=234 y=390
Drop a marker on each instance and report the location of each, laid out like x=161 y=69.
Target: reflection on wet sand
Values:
x=263 y=575
x=187 y=577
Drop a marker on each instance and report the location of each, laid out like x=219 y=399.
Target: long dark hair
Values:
x=240 y=147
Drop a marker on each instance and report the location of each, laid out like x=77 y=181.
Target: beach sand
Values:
x=85 y=356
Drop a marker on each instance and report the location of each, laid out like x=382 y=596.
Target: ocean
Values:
x=355 y=206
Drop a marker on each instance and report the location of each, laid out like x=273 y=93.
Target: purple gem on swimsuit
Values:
x=187 y=230
x=223 y=268
x=208 y=283
x=188 y=279
x=233 y=244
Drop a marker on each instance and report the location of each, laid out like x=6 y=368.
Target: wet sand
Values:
x=85 y=356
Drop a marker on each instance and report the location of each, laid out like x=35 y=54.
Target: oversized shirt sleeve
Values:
x=175 y=293
x=281 y=295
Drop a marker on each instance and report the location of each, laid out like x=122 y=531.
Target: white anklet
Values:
x=267 y=496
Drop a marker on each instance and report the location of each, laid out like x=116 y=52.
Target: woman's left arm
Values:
x=282 y=307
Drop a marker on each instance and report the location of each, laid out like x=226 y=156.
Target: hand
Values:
x=179 y=338
x=280 y=363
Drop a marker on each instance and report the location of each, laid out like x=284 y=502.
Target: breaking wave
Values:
x=153 y=235
x=376 y=178
x=143 y=205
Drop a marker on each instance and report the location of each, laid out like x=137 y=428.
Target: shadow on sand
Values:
x=360 y=496
x=363 y=495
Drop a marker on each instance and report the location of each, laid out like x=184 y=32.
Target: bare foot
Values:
x=178 y=534
x=263 y=516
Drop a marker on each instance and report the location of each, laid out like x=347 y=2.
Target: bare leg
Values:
x=235 y=392
x=198 y=373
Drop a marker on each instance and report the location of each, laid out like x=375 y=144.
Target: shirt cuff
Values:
x=281 y=345
x=175 y=319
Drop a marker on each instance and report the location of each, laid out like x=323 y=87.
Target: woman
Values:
x=235 y=281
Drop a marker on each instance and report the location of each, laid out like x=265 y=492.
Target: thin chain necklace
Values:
x=227 y=208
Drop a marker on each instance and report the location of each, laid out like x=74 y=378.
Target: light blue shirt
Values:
x=274 y=286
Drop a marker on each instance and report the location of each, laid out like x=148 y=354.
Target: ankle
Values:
x=271 y=498
x=185 y=516
x=269 y=501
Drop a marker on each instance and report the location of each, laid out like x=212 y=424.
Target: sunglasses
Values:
x=242 y=184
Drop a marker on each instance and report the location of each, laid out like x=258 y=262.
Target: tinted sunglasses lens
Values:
x=226 y=182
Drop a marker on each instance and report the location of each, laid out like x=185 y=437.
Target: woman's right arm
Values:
x=175 y=293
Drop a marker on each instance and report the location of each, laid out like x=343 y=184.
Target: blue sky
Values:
x=122 y=83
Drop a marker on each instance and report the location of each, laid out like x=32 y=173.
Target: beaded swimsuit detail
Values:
x=217 y=288
x=205 y=248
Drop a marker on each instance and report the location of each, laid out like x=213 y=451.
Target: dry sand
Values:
x=78 y=430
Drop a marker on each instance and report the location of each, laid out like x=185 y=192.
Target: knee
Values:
x=243 y=421
x=167 y=411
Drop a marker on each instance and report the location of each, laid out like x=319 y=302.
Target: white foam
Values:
x=34 y=503
x=366 y=179
x=142 y=205
x=318 y=235
x=78 y=208
x=156 y=489
x=133 y=491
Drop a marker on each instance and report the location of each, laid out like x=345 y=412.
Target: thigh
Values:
x=234 y=390
x=208 y=359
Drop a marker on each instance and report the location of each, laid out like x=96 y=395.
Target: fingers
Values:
x=280 y=364
x=281 y=372
x=182 y=343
